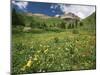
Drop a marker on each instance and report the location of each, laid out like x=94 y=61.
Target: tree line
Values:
x=21 y=20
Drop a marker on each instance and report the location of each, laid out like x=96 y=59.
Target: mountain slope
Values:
x=90 y=19
x=90 y=22
x=39 y=15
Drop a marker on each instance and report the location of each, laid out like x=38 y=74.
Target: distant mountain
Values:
x=38 y=15
x=64 y=16
x=69 y=15
x=36 y=19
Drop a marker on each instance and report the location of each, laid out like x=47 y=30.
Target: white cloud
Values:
x=57 y=15
x=53 y=6
x=21 y=5
x=80 y=10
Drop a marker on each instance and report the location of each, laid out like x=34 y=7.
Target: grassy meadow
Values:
x=45 y=49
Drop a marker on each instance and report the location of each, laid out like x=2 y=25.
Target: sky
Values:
x=53 y=9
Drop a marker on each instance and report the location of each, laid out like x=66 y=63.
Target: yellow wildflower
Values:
x=67 y=49
x=29 y=63
x=59 y=48
x=23 y=68
x=48 y=46
x=38 y=51
x=40 y=45
x=35 y=57
x=66 y=43
x=38 y=62
x=44 y=46
x=46 y=50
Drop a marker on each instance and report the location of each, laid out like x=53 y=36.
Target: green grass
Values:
x=49 y=47
x=53 y=51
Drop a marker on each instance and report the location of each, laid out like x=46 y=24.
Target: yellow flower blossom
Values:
x=38 y=51
x=46 y=50
x=44 y=46
x=48 y=46
x=35 y=57
x=66 y=49
x=66 y=43
x=23 y=68
x=40 y=45
x=59 y=48
x=38 y=62
x=29 y=63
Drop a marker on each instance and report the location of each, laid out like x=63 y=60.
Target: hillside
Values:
x=42 y=21
x=90 y=23
x=39 y=44
x=35 y=20
x=90 y=19
x=38 y=15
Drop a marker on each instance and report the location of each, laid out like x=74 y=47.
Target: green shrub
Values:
x=63 y=25
x=81 y=23
x=54 y=29
x=37 y=30
x=69 y=26
x=56 y=39
x=75 y=31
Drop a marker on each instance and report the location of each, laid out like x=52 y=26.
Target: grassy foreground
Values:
x=53 y=51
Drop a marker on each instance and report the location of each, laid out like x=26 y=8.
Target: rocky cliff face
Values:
x=69 y=16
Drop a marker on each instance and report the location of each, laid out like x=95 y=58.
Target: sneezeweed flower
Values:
x=23 y=68
x=72 y=55
x=52 y=55
x=45 y=51
x=29 y=63
x=76 y=41
x=38 y=51
x=43 y=71
x=44 y=46
x=36 y=57
x=40 y=45
x=66 y=49
x=59 y=48
x=66 y=43
x=83 y=55
x=49 y=65
x=62 y=64
x=48 y=46
x=38 y=62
